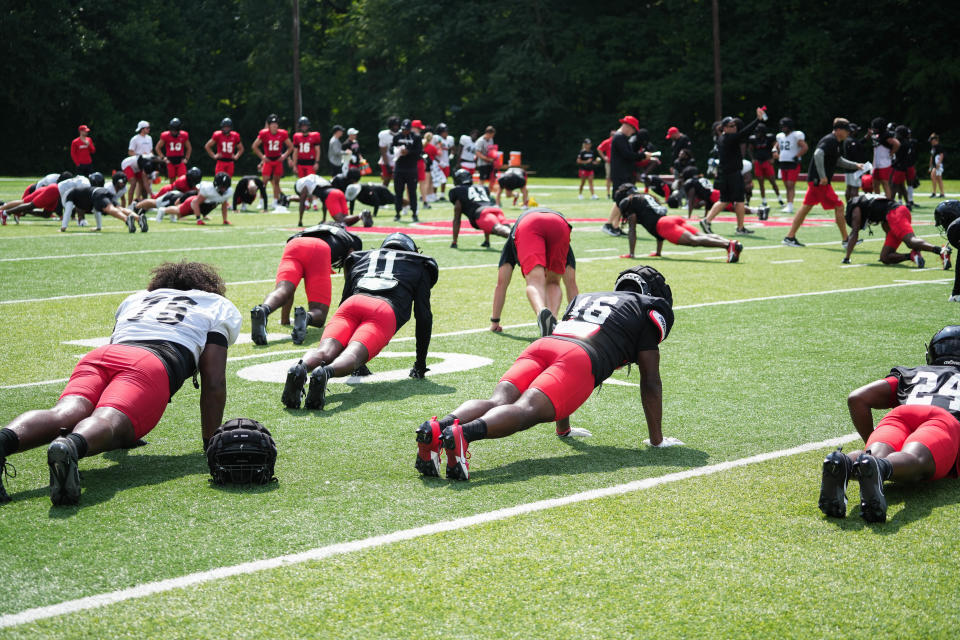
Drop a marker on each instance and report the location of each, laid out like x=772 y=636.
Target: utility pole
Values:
x=717 y=84
x=297 y=99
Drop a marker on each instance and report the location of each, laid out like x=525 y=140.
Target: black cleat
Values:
x=873 y=504
x=293 y=388
x=415 y=218
x=546 y=322
x=64 y=473
x=144 y=226
x=485 y=244
x=833 y=484
x=367 y=218
x=6 y=469
x=362 y=371
x=258 y=322
x=299 y=332
x=131 y=224
x=316 y=396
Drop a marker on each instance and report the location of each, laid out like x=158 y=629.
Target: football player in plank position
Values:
x=99 y=199
x=373 y=195
x=644 y=208
x=209 y=195
x=475 y=202
x=246 y=192
x=508 y=262
x=179 y=326
x=917 y=441
x=599 y=333
x=379 y=289
x=946 y=217
x=308 y=256
x=512 y=179
x=895 y=219
x=186 y=183
x=333 y=199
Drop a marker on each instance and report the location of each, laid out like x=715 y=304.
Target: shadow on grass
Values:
x=514 y=336
x=592 y=459
x=336 y=401
x=918 y=500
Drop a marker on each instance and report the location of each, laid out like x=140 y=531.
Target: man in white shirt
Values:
x=788 y=150
x=142 y=142
x=445 y=144
x=468 y=146
x=385 y=141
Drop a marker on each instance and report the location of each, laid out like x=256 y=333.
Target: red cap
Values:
x=83 y=127
x=630 y=120
x=671 y=131
x=416 y=124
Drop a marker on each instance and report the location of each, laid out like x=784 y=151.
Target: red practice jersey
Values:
x=173 y=145
x=273 y=142
x=306 y=145
x=226 y=143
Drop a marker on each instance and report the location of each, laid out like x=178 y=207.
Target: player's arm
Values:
x=876 y=395
x=236 y=196
x=424 y=317
x=290 y=149
x=894 y=145
x=801 y=148
x=188 y=152
x=262 y=188
x=159 y=147
x=855 y=219
x=651 y=393
x=457 y=213
x=504 y=275
x=195 y=205
x=208 y=147
x=240 y=150
x=213 y=386
x=256 y=149
x=304 y=196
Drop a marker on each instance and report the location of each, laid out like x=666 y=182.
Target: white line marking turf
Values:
x=342 y=548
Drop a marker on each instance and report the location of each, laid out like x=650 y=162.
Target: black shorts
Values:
x=511 y=181
x=730 y=187
x=485 y=171
x=101 y=200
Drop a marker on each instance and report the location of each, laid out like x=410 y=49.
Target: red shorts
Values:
x=30 y=189
x=823 y=194
x=790 y=175
x=446 y=171
x=336 y=203
x=364 y=319
x=489 y=218
x=469 y=168
x=129 y=379
x=584 y=173
x=174 y=171
x=670 y=228
x=304 y=170
x=883 y=175
x=542 y=239
x=558 y=368
x=46 y=198
x=899 y=224
x=186 y=207
x=933 y=427
x=386 y=171
x=715 y=196
x=131 y=173
x=904 y=177
x=272 y=168
x=307 y=259
x=763 y=169
x=226 y=166
x=421 y=170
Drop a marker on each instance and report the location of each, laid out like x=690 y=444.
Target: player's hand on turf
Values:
x=666 y=442
x=576 y=432
x=496 y=327
x=453 y=245
x=419 y=371
x=845 y=261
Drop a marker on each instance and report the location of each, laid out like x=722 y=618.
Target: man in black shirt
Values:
x=373 y=195
x=730 y=170
x=855 y=150
x=623 y=159
x=408 y=146
x=475 y=202
x=682 y=151
x=600 y=333
x=826 y=159
x=512 y=179
x=895 y=219
x=760 y=149
x=380 y=289
x=904 y=166
x=947 y=218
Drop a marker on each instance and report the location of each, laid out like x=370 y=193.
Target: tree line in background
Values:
x=545 y=74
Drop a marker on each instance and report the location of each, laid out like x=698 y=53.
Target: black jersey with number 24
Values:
x=929 y=385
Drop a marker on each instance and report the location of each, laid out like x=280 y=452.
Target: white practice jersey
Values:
x=788 y=145
x=881 y=156
x=467 y=146
x=385 y=141
x=47 y=180
x=113 y=189
x=211 y=195
x=130 y=162
x=67 y=186
x=310 y=183
x=444 y=144
x=173 y=315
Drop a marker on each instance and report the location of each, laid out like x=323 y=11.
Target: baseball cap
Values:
x=671 y=131
x=352 y=132
x=83 y=127
x=630 y=120
x=728 y=120
x=142 y=124
x=416 y=124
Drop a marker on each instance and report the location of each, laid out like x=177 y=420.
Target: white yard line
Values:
x=353 y=546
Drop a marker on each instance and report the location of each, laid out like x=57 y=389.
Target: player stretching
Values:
x=599 y=333
x=475 y=202
x=380 y=287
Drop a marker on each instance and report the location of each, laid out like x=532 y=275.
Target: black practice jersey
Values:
x=414 y=146
x=82 y=198
x=701 y=187
x=680 y=143
x=473 y=200
x=873 y=209
x=906 y=156
x=646 y=208
x=512 y=179
x=375 y=195
x=614 y=327
x=101 y=197
x=936 y=385
x=241 y=192
x=761 y=146
x=856 y=149
x=831 y=153
x=509 y=255
x=340 y=240
x=585 y=159
x=402 y=278
x=728 y=150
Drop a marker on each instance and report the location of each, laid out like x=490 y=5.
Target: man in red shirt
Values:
x=81 y=151
x=306 y=148
x=273 y=139
x=229 y=147
x=174 y=147
x=604 y=150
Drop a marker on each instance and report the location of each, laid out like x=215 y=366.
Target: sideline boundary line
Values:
x=343 y=548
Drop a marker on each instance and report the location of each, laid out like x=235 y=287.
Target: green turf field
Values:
x=760 y=360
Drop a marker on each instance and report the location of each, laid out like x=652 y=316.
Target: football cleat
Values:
x=945 y=252
x=144 y=226
x=3 y=218
x=485 y=244
x=293 y=387
x=6 y=469
x=457 y=455
x=917 y=259
x=316 y=395
x=428 y=448
x=415 y=217
x=546 y=321
x=299 y=332
x=200 y=221
x=64 y=474
x=873 y=504
x=733 y=251
x=367 y=218
x=792 y=242
x=131 y=224
x=258 y=325
x=743 y=231
x=609 y=230
x=706 y=226
x=362 y=371
x=833 y=484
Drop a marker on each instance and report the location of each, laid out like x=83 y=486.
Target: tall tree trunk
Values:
x=297 y=100
x=717 y=84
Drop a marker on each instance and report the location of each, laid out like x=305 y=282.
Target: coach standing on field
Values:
x=408 y=146
x=622 y=160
